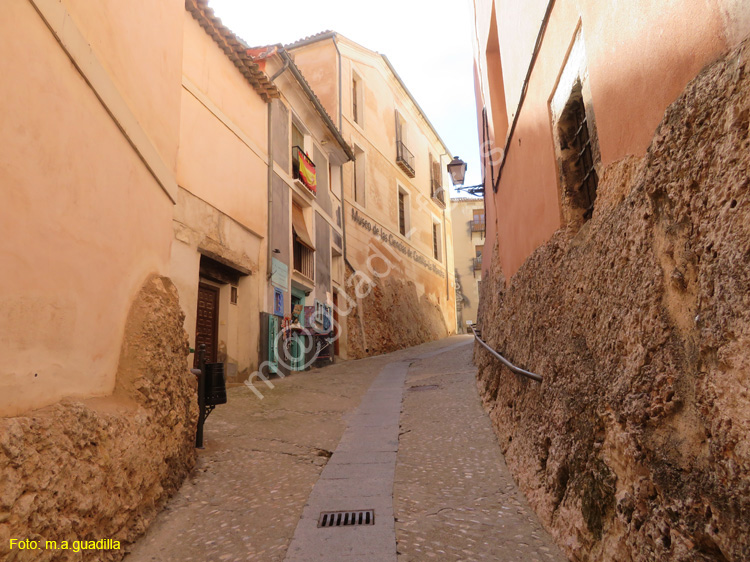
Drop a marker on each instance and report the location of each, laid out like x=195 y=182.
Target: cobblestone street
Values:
x=263 y=470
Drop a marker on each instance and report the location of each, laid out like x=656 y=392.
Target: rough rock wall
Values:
x=101 y=468
x=636 y=446
x=390 y=317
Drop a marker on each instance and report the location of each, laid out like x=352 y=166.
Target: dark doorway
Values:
x=207 y=322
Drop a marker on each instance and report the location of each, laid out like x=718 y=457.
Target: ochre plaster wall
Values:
x=140 y=44
x=83 y=221
x=222 y=173
x=224 y=135
x=319 y=62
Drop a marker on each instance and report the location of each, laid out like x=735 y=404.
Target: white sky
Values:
x=427 y=41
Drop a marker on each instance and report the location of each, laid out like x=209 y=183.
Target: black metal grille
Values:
x=346 y=518
x=585 y=159
x=404 y=158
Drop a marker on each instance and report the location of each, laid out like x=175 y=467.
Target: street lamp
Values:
x=457 y=171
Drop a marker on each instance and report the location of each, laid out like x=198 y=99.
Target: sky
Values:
x=427 y=41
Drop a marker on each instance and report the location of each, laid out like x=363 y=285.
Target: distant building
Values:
x=397 y=231
x=468 y=248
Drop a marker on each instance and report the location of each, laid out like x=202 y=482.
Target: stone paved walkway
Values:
x=451 y=495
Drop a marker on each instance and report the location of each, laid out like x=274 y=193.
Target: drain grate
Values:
x=346 y=518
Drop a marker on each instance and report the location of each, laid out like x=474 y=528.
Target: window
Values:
x=359 y=175
x=303 y=248
x=576 y=141
x=436 y=182
x=404 y=209
x=233 y=295
x=478 y=257
x=358 y=105
x=303 y=168
x=436 y=241
x=402 y=213
x=404 y=157
x=581 y=181
x=298 y=138
x=477 y=222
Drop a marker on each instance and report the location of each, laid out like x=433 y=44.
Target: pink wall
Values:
x=640 y=55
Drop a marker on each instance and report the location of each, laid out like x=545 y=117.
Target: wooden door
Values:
x=207 y=322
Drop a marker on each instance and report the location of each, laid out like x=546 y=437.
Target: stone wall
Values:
x=102 y=468
x=390 y=317
x=636 y=446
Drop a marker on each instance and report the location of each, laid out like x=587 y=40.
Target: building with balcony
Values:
x=468 y=247
x=397 y=231
x=306 y=167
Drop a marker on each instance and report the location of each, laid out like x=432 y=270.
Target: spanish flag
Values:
x=307 y=173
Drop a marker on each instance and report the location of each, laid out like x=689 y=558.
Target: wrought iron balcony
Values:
x=477 y=263
x=405 y=159
x=303 y=169
x=477 y=226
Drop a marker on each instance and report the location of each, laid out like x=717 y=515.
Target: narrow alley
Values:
x=403 y=434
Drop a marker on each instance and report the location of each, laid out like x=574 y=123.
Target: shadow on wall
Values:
x=637 y=444
x=103 y=467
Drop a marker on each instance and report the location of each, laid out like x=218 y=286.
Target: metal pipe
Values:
x=504 y=361
x=338 y=52
x=269 y=181
x=269 y=249
x=201 y=396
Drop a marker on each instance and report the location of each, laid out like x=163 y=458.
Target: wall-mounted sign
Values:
x=279 y=274
x=395 y=242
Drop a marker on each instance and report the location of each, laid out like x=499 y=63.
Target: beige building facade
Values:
x=219 y=252
x=468 y=247
x=398 y=255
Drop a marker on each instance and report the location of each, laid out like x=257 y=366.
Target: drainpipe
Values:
x=338 y=53
x=269 y=254
x=445 y=256
x=343 y=195
x=269 y=251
